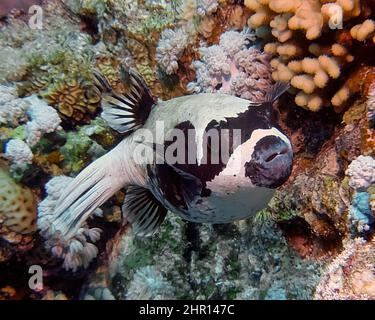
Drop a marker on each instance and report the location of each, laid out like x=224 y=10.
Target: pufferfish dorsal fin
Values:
x=125 y=112
x=143 y=211
x=276 y=91
x=272 y=95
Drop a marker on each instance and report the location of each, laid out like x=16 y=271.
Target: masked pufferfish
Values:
x=200 y=192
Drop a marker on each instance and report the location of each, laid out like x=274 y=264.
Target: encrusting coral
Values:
x=331 y=44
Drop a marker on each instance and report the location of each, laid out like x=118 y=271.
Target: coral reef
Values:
x=245 y=260
x=50 y=129
x=330 y=46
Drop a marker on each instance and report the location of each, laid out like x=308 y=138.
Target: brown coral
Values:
x=75 y=101
x=110 y=67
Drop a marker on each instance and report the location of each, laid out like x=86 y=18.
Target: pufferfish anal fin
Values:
x=125 y=112
x=143 y=211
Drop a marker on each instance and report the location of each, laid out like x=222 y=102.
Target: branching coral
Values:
x=32 y=118
x=206 y=7
x=79 y=251
x=231 y=67
x=313 y=63
x=170 y=48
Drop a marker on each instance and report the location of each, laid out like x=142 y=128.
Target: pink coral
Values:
x=230 y=67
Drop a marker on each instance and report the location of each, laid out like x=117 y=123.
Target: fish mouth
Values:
x=271 y=163
x=276 y=154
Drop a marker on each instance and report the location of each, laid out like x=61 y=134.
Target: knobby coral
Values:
x=12 y=108
x=18 y=152
x=17 y=206
x=361 y=172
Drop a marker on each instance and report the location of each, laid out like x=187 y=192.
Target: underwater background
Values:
x=315 y=238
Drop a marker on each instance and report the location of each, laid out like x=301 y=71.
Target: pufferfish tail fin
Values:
x=127 y=112
x=276 y=91
x=63 y=222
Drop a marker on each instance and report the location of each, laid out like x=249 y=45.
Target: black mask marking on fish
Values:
x=270 y=164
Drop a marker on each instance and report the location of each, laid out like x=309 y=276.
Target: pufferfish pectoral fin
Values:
x=143 y=211
x=170 y=182
x=125 y=112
